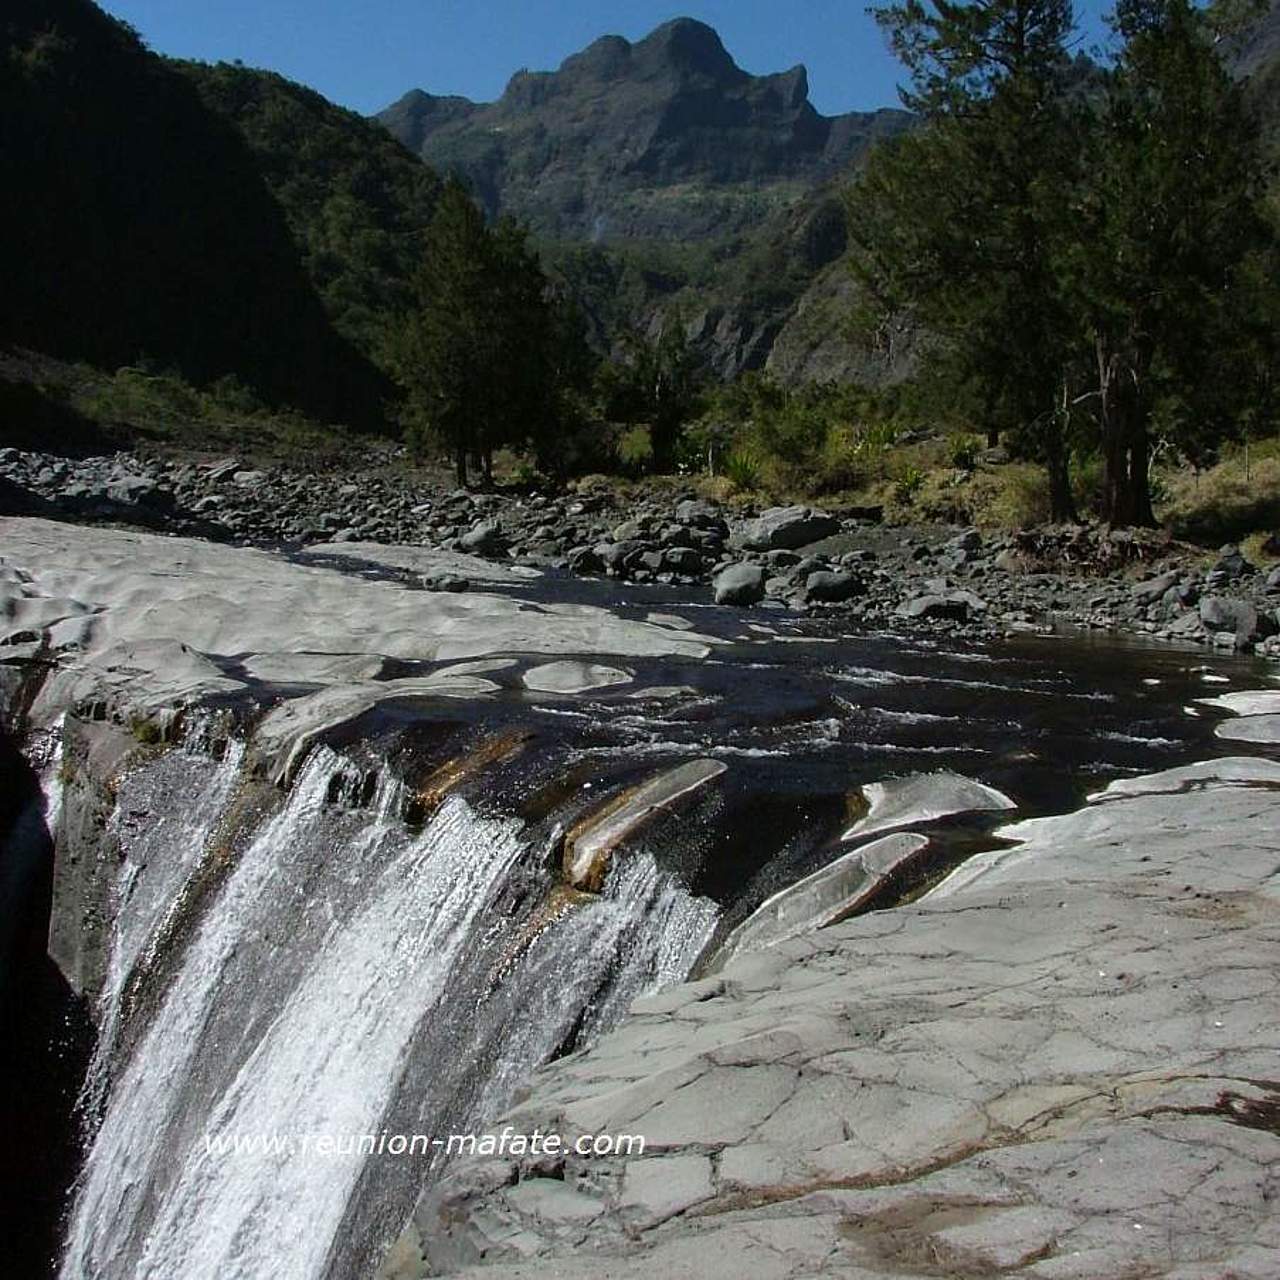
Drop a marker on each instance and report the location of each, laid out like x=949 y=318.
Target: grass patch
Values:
x=72 y=408
x=1236 y=501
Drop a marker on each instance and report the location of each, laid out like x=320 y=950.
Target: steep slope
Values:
x=666 y=139
x=353 y=197
x=136 y=223
x=1255 y=58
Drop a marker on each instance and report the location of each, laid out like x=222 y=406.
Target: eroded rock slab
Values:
x=923 y=797
x=1263 y=730
x=824 y=897
x=1062 y=1067
x=147 y=622
x=591 y=843
x=569 y=676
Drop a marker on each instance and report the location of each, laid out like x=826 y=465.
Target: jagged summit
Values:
x=688 y=45
x=627 y=139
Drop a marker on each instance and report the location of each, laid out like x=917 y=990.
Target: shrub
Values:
x=635 y=450
x=964 y=452
x=742 y=469
x=909 y=482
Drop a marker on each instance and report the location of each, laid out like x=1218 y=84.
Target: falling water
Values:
x=347 y=975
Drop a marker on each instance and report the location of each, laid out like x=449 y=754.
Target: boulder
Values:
x=485 y=536
x=832 y=587
x=959 y=606
x=1229 y=614
x=682 y=560
x=1232 y=564
x=788 y=528
x=739 y=584
x=1154 y=588
x=701 y=515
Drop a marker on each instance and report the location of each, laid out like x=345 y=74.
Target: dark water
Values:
x=806 y=711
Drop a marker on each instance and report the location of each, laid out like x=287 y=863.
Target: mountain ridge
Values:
x=610 y=144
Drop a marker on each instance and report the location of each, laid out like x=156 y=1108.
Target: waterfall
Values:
x=347 y=974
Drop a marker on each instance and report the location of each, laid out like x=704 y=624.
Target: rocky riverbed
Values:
x=795 y=558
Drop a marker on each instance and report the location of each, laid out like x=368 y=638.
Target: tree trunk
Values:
x=1062 y=505
x=1126 y=449
x=460 y=466
x=1140 y=511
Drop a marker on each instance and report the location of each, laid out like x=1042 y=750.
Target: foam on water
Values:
x=333 y=982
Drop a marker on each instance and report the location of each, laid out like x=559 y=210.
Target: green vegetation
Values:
x=1098 y=265
x=135 y=220
x=484 y=358
x=1077 y=262
x=72 y=406
x=355 y=200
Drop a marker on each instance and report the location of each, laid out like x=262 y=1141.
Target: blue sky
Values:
x=365 y=55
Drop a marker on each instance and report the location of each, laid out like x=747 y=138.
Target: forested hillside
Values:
x=137 y=224
x=355 y=200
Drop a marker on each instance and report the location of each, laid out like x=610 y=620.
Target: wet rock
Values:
x=900 y=802
x=965 y=1085
x=591 y=843
x=823 y=898
x=741 y=584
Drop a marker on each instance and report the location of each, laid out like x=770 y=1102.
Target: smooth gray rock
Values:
x=824 y=897
x=142 y=620
x=934 y=606
x=741 y=584
x=1259 y=729
x=787 y=528
x=572 y=676
x=1059 y=1068
x=923 y=797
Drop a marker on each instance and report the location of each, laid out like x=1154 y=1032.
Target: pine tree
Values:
x=476 y=357
x=955 y=224
x=1164 y=261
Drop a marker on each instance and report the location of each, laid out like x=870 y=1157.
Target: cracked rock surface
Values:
x=1062 y=1063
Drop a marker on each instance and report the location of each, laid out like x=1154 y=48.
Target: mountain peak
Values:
x=635 y=137
x=689 y=45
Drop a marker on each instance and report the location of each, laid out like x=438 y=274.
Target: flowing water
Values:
x=332 y=961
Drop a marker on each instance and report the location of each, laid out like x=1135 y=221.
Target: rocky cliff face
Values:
x=633 y=140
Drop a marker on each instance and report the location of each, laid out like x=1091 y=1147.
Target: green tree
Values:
x=477 y=355
x=1164 y=265
x=954 y=225
x=655 y=383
